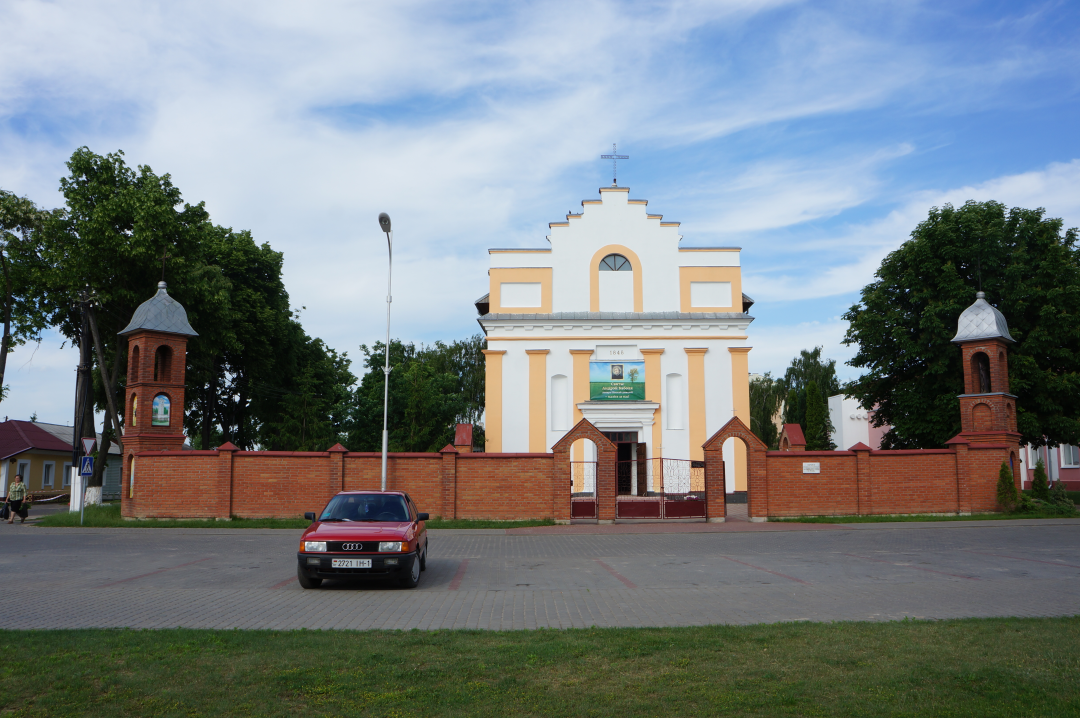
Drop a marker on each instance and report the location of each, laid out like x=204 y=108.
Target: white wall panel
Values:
x=519 y=294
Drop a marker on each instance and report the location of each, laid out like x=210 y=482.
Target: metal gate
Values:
x=583 y=490
x=666 y=489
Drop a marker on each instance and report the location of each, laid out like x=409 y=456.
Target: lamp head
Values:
x=384 y=222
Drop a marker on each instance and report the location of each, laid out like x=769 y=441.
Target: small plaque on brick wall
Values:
x=811 y=467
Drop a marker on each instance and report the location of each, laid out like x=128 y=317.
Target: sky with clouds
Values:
x=815 y=135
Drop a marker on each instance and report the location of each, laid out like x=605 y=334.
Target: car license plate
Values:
x=351 y=562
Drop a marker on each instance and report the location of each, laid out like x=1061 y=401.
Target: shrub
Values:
x=1040 y=487
x=1006 y=488
x=1059 y=497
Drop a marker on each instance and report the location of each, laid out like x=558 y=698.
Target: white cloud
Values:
x=867 y=244
x=464 y=120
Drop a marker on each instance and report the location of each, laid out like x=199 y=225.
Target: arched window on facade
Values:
x=616 y=284
x=615 y=263
x=980 y=372
x=163 y=364
x=133 y=364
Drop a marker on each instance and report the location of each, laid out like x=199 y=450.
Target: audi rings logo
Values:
x=352 y=547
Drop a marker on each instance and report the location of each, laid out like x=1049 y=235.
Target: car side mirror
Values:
x=422 y=517
x=310 y=516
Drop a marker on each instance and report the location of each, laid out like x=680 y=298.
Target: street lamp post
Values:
x=384 y=224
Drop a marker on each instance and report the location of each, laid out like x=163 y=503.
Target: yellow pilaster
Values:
x=652 y=393
x=695 y=384
x=493 y=400
x=581 y=389
x=740 y=400
x=537 y=399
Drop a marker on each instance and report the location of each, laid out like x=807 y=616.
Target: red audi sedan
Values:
x=364 y=533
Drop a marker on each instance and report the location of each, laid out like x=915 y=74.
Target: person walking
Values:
x=15 y=497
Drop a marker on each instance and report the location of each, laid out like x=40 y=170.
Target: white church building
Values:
x=615 y=322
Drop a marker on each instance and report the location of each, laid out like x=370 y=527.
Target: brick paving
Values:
x=621 y=575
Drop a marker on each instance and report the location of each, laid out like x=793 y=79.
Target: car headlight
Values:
x=314 y=546
x=390 y=545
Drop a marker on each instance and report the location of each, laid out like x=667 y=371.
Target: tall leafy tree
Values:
x=810 y=368
x=905 y=319
x=766 y=396
x=108 y=243
x=817 y=424
x=432 y=388
x=20 y=235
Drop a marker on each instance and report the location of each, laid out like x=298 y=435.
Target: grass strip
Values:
x=918 y=517
x=108 y=515
x=976 y=667
x=439 y=523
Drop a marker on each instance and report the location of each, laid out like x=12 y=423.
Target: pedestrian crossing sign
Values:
x=86 y=466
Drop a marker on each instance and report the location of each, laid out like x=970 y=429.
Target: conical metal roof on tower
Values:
x=161 y=313
x=982 y=321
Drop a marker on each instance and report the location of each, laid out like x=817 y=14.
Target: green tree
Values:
x=791 y=407
x=108 y=243
x=1040 y=486
x=809 y=367
x=432 y=388
x=817 y=425
x=1006 y=488
x=20 y=233
x=766 y=395
x=906 y=318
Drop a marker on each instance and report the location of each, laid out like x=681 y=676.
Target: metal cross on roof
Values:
x=164 y=255
x=614 y=164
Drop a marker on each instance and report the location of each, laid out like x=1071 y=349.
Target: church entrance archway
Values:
x=583 y=459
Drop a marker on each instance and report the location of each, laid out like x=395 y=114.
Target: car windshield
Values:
x=366 y=507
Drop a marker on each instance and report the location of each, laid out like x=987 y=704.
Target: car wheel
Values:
x=305 y=580
x=423 y=561
x=413 y=576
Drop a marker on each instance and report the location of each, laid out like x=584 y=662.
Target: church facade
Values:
x=616 y=323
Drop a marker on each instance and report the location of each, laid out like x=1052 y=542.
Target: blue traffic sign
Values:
x=86 y=466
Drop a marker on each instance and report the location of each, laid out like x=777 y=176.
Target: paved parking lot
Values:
x=231 y=578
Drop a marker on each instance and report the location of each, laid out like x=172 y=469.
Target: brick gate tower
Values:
x=988 y=435
x=987 y=409
x=154 y=402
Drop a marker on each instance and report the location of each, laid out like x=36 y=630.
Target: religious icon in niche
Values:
x=159 y=415
x=135 y=410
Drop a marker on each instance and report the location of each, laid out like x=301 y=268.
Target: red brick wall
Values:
x=505 y=486
x=913 y=482
x=790 y=492
x=250 y=484
x=260 y=484
x=418 y=475
x=175 y=484
x=892 y=482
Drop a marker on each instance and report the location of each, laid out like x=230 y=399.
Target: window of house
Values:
x=66 y=478
x=1070 y=456
x=47 y=471
x=24 y=472
x=615 y=263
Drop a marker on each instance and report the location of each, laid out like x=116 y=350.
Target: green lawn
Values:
x=108 y=515
x=918 y=517
x=995 y=667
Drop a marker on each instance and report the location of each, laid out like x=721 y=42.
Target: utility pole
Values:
x=84 y=401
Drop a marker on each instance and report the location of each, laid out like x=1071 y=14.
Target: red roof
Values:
x=19 y=436
x=794 y=434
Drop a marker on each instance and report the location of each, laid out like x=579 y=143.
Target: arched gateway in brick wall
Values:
x=715 y=497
